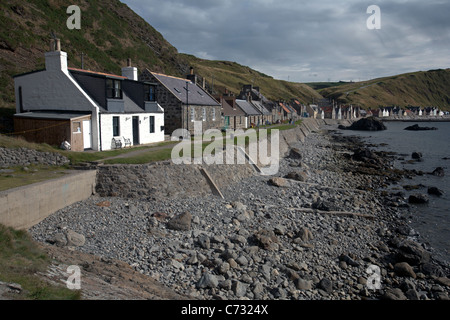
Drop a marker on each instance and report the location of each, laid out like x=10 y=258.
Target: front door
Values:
x=87 y=139
x=135 y=131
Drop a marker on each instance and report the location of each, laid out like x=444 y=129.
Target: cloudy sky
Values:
x=304 y=41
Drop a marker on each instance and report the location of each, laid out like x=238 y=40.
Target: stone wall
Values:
x=26 y=157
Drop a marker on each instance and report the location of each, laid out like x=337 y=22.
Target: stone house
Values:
x=184 y=102
x=89 y=110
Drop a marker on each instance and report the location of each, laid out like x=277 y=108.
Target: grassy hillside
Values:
x=232 y=75
x=110 y=33
x=424 y=88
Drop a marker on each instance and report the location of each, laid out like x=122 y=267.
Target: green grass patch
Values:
x=21 y=176
x=20 y=260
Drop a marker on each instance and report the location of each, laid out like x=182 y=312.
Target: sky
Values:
x=308 y=41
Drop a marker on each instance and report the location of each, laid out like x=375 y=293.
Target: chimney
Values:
x=55 y=59
x=191 y=76
x=129 y=71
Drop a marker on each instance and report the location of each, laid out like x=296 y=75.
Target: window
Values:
x=192 y=115
x=116 y=126
x=113 y=89
x=149 y=93
x=213 y=114
x=204 y=114
x=76 y=127
x=152 y=124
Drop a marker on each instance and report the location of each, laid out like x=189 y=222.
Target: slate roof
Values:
x=261 y=108
x=228 y=110
x=177 y=86
x=247 y=108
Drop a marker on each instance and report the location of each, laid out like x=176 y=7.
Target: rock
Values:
x=348 y=260
x=302 y=284
x=278 y=182
x=435 y=191
x=403 y=269
x=418 y=198
x=367 y=124
x=239 y=206
x=304 y=234
x=439 y=172
x=416 y=127
x=297 y=176
x=181 y=222
x=207 y=281
x=394 y=294
x=443 y=281
x=412 y=253
x=239 y=289
x=224 y=268
x=204 y=241
x=294 y=153
x=326 y=285
x=75 y=239
x=416 y=155
x=59 y=240
x=266 y=239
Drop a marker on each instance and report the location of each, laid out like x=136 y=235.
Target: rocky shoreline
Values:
x=325 y=228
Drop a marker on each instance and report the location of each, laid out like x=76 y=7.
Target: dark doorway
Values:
x=135 y=131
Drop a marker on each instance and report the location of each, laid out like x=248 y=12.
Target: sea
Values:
x=430 y=221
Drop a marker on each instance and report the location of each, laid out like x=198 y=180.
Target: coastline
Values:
x=310 y=234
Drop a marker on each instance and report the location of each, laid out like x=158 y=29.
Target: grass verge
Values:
x=20 y=260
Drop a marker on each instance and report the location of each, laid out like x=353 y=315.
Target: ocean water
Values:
x=432 y=220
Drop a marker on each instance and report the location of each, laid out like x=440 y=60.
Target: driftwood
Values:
x=336 y=213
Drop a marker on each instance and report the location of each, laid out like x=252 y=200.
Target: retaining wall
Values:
x=23 y=207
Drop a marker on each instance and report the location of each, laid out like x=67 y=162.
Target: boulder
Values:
x=298 y=176
x=75 y=239
x=207 y=280
x=439 y=172
x=403 y=269
x=266 y=239
x=435 y=191
x=181 y=222
x=394 y=294
x=416 y=155
x=412 y=253
x=367 y=124
x=302 y=284
x=416 y=127
x=278 y=182
x=294 y=153
x=418 y=198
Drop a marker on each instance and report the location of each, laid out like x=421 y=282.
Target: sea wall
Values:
x=23 y=207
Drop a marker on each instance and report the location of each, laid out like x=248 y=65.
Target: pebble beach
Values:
x=326 y=227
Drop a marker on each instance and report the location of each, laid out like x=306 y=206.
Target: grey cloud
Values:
x=306 y=41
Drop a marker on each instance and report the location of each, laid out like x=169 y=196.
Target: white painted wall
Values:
x=55 y=89
x=126 y=128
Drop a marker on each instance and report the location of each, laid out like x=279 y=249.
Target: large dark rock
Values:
x=416 y=155
x=367 y=124
x=181 y=222
x=418 y=198
x=439 y=172
x=435 y=191
x=416 y=127
x=412 y=253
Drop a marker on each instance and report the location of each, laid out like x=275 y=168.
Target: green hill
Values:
x=111 y=32
x=424 y=88
x=232 y=76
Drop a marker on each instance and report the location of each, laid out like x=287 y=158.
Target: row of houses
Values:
x=101 y=111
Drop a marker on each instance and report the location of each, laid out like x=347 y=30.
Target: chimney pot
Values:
x=192 y=70
x=128 y=62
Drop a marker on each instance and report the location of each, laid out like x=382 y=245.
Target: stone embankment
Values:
x=322 y=228
x=10 y=157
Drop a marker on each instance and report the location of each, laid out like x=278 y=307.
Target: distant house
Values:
x=89 y=110
x=184 y=102
x=252 y=116
x=233 y=117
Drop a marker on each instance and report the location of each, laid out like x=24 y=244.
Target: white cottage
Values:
x=90 y=110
